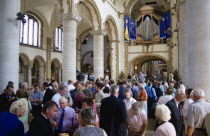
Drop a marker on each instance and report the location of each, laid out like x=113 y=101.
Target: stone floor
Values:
x=150 y=127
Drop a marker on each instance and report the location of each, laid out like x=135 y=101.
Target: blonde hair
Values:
x=17 y=106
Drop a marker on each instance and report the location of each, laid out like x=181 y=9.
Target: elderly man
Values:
x=113 y=115
x=7 y=98
x=40 y=125
x=176 y=113
x=197 y=112
x=55 y=87
x=65 y=117
x=62 y=91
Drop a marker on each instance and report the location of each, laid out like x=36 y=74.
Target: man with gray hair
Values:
x=113 y=115
x=197 y=112
x=176 y=113
x=62 y=91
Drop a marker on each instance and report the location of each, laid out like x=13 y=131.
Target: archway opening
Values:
x=55 y=70
x=149 y=65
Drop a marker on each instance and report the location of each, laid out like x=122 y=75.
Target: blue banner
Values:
x=132 y=29
x=126 y=28
x=165 y=24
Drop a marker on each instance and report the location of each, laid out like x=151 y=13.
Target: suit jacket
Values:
x=40 y=126
x=5 y=103
x=176 y=117
x=48 y=95
x=10 y=125
x=113 y=116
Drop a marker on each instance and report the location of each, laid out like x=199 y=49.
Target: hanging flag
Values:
x=165 y=26
x=168 y=24
x=132 y=29
x=126 y=28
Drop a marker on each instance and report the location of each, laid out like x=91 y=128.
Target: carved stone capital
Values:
x=71 y=16
x=98 y=32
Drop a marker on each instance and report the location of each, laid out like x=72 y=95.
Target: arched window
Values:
x=30 y=31
x=58 y=36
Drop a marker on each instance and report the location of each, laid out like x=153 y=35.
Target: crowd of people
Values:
x=103 y=107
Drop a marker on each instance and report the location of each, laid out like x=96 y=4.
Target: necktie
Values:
x=60 y=124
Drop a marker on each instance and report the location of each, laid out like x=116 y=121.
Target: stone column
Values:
x=113 y=59
x=29 y=76
x=183 y=53
x=98 y=51
x=198 y=33
x=59 y=76
x=79 y=60
x=70 y=21
x=48 y=58
x=9 y=43
x=41 y=74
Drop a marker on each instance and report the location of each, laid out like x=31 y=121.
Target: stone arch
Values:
x=113 y=56
x=131 y=3
x=40 y=60
x=56 y=63
x=82 y=60
x=95 y=14
x=87 y=68
x=112 y=27
x=152 y=57
x=38 y=70
x=24 y=57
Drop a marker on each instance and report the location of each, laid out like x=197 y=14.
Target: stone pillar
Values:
x=183 y=53
x=113 y=59
x=9 y=43
x=41 y=74
x=29 y=76
x=79 y=60
x=48 y=58
x=70 y=21
x=98 y=51
x=198 y=33
x=59 y=76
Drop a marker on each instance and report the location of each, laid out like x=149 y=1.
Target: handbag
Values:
x=30 y=115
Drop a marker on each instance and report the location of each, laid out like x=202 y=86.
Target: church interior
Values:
x=58 y=39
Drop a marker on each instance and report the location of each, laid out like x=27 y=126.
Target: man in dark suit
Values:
x=40 y=125
x=176 y=113
x=48 y=93
x=7 y=98
x=113 y=114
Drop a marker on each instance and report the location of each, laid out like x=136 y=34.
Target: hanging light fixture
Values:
x=21 y=16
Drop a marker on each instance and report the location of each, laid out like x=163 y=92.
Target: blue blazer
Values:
x=10 y=125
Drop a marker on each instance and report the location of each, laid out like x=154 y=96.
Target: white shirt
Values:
x=56 y=98
x=197 y=112
x=164 y=99
x=177 y=103
x=70 y=87
x=187 y=103
x=44 y=93
x=182 y=87
x=98 y=97
x=129 y=102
